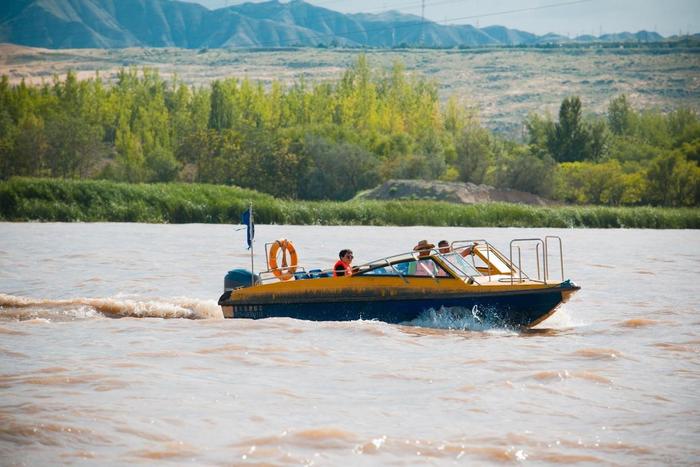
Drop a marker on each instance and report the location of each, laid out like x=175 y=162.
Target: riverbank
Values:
x=52 y=200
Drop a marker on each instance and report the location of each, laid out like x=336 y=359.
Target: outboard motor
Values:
x=239 y=278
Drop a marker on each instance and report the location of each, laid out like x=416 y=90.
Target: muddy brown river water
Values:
x=612 y=378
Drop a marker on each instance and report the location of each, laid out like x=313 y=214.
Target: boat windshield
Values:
x=425 y=267
x=412 y=266
x=460 y=266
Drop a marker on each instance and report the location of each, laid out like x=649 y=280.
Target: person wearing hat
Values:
x=424 y=266
x=423 y=248
x=444 y=248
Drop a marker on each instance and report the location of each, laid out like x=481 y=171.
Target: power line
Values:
x=520 y=10
x=329 y=13
x=445 y=21
x=403 y=6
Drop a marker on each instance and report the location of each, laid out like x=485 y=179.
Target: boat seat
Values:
x=495 y=264
x=317 y=273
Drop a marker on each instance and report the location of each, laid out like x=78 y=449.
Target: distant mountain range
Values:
x=166 y=23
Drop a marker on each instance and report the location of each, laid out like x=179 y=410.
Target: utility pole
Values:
x=422 y=23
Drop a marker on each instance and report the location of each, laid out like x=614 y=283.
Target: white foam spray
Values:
x=23 y=308
x=459 y=318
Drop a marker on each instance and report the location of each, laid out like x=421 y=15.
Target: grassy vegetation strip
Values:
x=51 y=200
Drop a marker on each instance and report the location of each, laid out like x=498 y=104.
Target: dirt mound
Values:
x=453 y=192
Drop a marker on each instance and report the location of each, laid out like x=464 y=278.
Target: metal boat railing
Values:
x=515 y=261
x=542 y=256
x=486 y=253
x=516 y=244
x=561 y=255
x=488 y=250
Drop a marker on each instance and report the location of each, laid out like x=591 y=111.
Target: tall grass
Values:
x=30 y=199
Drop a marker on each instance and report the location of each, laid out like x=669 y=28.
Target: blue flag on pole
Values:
x=247 y=219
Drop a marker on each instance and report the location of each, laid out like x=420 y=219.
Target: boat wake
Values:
x=460 y=318
x=13 y=308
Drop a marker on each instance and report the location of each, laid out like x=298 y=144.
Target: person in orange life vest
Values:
x=342 y=266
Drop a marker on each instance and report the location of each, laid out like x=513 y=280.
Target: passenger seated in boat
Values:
x=444 y=248
x=343 y=267
x=423 y=248
x=424 y=266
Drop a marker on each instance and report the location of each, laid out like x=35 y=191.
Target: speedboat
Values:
x=470 y=277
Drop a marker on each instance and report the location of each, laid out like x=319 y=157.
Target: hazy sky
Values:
x=567 y=17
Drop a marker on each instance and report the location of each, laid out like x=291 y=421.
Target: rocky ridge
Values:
x=452 y=192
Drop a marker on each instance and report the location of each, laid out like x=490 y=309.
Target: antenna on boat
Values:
x=247 y=220
x=252 y=240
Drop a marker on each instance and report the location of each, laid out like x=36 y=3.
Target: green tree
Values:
x=263 y=162
x=540 y=130
x=517 y=168
x=29 y=148
x=7 y=139
x=600 y=183
x=130 y=161
x=204 y=154
x=652 y=129
x=474 y=154
x=621 y=116
x=691 y=151
x=683 y=126
x=74 y=146
x=673 y=181
x=335 y=170
x=221 y=109
x=570 y=140
x=599 y=140
x=162 y=166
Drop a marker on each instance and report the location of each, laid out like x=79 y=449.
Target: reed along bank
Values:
x=54 y=200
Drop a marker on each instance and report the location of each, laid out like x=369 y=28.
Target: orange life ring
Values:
x=285 y=271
